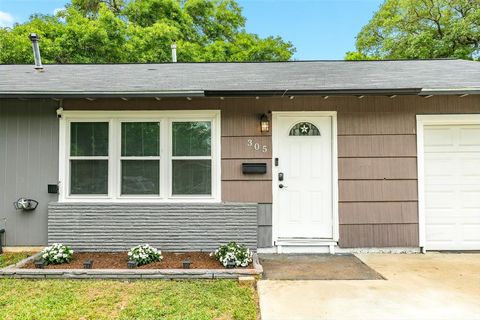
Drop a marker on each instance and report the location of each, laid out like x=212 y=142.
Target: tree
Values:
x=421 y=29
x=121 y=31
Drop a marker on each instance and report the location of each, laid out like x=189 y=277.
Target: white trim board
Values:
x=335 y=218
x=338 y=250
x=422 y=121
x=114 y=118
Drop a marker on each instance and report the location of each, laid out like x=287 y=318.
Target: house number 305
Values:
x=256 y=146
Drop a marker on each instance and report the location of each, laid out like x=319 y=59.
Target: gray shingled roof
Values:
x=190 y=79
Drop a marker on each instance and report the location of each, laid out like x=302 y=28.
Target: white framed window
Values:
x=140 y=156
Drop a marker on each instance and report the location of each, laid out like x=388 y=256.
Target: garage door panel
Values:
x=452 y=187
x=470 y=232
x=470 y=165
x=438 y=137
x=467 y=217
x=470 y=199
x=440 y=232
x=438 y=163
x=469 y=136
x=439 y=200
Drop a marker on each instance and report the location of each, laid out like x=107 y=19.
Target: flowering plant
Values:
x=144 y=254
x=233 y=252
x=57 y=253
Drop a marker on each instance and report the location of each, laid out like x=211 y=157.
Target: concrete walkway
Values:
x=431 y=286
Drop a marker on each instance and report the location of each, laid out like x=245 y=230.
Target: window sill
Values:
x=141 y=200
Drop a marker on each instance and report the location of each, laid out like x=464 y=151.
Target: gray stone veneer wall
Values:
x=264 y=220
x=170 y=227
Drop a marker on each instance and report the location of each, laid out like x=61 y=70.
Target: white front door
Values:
x=452 y=187
x=302 y=176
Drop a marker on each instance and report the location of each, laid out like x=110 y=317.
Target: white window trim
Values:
x=115 y=118
x=422 y=122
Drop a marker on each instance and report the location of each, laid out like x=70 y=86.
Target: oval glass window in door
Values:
x=304 y=129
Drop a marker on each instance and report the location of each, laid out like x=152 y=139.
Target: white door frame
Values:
x=422 y=121
x=275 y=136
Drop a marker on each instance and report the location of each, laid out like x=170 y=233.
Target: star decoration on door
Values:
x=304 y=129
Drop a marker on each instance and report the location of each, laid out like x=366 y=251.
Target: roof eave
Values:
x=97 y=94
x=236 y=93
x=449 y=91
x=313 y=92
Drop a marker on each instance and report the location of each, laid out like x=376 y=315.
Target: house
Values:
x=281 y=156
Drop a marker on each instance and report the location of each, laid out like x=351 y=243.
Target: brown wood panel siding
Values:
x=241 y=117
x=377 y=190
x=377 y=168
x=247 y=191
x=378 y=212
x=379 y=235
x=232 y=170
x=374 y=123
x=377 y=146
x=143 y=104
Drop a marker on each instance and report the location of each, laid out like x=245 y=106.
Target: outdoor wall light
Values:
x=39 y=264
x=88 y=264
x=264 y=123
x=25 y=204
x=186 y=263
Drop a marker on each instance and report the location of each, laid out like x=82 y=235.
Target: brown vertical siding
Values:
x=376 y=148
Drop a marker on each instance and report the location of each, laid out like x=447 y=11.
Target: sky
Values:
x=319 y=29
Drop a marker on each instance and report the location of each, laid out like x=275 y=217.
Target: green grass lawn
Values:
x=7 y=259
x=154 y=299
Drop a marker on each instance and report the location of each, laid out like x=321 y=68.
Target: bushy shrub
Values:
x=57 y=253
x=233 y=252
x=144 y=254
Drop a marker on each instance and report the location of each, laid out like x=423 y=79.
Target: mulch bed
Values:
x=118 y=260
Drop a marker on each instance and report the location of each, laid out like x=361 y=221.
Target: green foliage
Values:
x=99 y=299
x=9 y=258
x=355 y=55
x=121 y=31
x=421 y=29
x=233 y=252
x=57 y=253
x=144 y=254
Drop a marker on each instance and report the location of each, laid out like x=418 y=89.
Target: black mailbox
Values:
x=256 y=168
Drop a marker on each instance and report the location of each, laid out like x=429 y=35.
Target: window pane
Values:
x=140 y=138
x=191 y=177
x=192 y=138
x=89 y=139
x=140 y=176
x=304 y=129
x=89 y=176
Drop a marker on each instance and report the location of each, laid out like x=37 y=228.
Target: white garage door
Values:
x=452 y=187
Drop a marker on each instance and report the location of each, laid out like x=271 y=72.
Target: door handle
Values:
x=281 y=186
